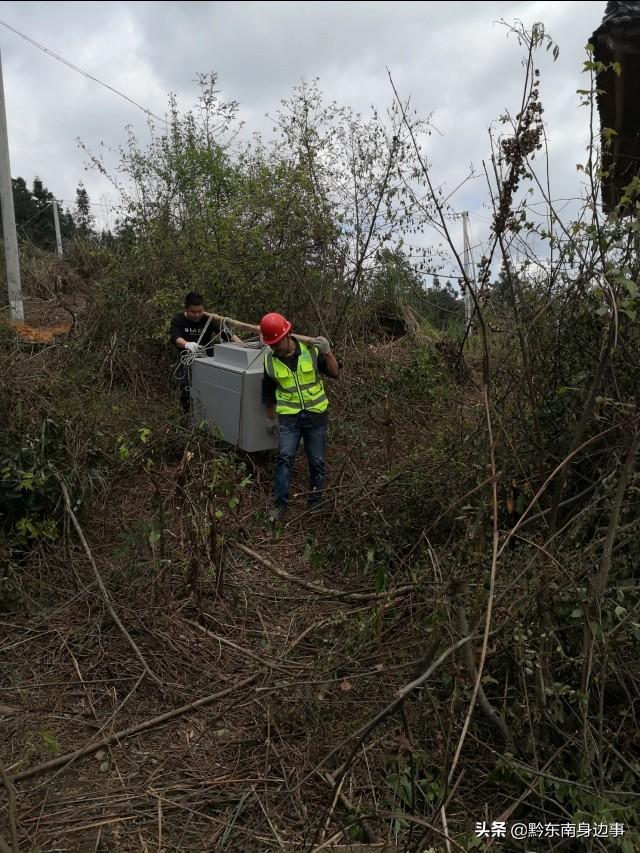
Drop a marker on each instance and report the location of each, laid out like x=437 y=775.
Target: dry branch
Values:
x=351 y=809
x=318 y=588
x=492 y=585
x=268 y=664
x=13 y=826
x=61 y=760
x=105 y=593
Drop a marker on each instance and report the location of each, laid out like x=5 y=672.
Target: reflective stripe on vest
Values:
x=301 y=390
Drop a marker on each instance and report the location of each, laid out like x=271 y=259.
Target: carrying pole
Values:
x=248 y=327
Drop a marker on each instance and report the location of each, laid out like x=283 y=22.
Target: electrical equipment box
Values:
x=226 y=392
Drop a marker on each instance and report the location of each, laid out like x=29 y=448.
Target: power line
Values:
x=23 y=225
x=81 y=71
x=109 y=205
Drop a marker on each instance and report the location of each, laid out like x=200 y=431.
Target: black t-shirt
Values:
x=269 y=385
x=182 y=327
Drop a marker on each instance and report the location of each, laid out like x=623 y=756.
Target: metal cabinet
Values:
x=226 y=392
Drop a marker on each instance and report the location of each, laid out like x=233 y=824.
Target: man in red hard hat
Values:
x=292 y=390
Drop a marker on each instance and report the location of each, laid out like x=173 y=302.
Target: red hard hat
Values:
x=273 y=328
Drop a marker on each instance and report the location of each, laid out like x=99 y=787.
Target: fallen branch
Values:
x=13 y=826
x=364 y=731
x=318 y=588
x=268 y=664
x=492 y=587
x=506 y=814
x=489 y=711
x=132 y=730
x=105 y=592
x=155 y=721
x=370 y=832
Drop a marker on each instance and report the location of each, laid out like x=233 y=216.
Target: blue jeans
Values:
x=314 y=436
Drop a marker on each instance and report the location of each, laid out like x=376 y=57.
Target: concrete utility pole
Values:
x=469 y=270
x=56 y=222
x=14 y=288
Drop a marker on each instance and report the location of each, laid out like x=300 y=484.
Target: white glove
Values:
x=196 y=349
x=322 y=344
x=272 y=427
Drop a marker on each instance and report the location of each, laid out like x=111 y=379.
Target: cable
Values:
x=80 y=71
x=106 y=204
x=36 y=215
x=187 y=357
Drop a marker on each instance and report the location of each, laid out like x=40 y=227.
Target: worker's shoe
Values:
x=277 y=513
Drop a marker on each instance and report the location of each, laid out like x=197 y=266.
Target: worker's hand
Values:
x=272 y=427
x=321 y=344
x=192 y=346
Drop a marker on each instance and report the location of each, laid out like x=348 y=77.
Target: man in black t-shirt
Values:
x=193 y=331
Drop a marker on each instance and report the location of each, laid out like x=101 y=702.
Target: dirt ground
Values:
x=244 y=669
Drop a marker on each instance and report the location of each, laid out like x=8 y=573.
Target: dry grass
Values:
x=243 y=773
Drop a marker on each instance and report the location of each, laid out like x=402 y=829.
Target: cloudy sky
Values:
x=453 y=59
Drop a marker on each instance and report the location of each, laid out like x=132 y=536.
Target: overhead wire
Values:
x=82 y=71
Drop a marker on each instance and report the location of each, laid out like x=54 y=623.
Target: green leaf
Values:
x=50 y=742
x=26 y=481
x=145 y=434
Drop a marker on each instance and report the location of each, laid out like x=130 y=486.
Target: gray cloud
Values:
x=451 y=58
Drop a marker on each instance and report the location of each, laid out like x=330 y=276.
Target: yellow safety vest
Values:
x=301 y=390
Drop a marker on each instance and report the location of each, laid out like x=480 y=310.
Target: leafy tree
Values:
x=443 y=307
x=294 y=225
x=34 y=214
x=83 y=218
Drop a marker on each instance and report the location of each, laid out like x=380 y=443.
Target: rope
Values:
x=187 y=357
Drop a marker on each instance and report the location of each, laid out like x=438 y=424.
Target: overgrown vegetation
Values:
x=455 y=639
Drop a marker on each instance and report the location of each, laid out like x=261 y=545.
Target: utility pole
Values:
x=56 y=222
x=14 y=288
x=469 y=271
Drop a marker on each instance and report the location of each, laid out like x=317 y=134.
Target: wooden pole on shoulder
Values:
x=248 y=327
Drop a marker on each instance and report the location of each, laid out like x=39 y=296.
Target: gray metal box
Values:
x=226 y=392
